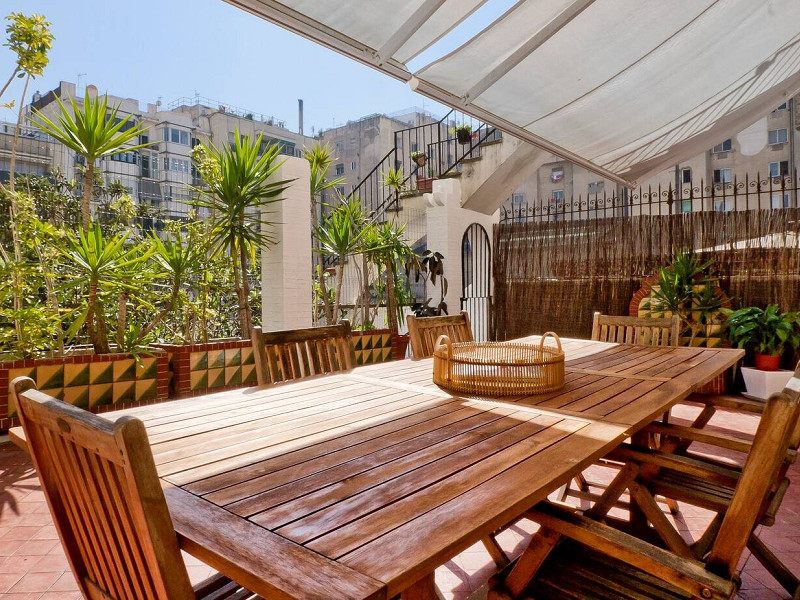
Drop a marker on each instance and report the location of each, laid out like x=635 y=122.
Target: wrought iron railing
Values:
x=749 y=193
x=443 y=154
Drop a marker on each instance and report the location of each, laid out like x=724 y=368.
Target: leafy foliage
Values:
x=763 y=331
x=430 y=266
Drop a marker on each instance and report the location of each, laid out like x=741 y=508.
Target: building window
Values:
x=597 y=187
x=517 y=199
x=178 y=165
x=723 y=205
x=353 y=166
x=125 y=157
x=723 y=175
x=725 y=146
x=150 y=165
x=340 y=169
x=779 y=200
x=778 y=136
x=340 y=189
x=557 y=198
x=144 y=139
x=686 y=176
x=686 y=205
x=780 y=108
x=557 y=174
x=176 y=136
x=779 y=169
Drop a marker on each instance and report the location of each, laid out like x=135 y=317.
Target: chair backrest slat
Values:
x=636 y=330
x=100 y=482
x=298 y=353
x=424 y=331
x=759 y=475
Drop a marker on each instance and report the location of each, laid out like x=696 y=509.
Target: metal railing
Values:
x=444 y=153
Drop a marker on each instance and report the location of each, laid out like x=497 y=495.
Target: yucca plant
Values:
x=320 y=157
x=96 y=265
x=342 y=234
x=388 y=248
x=240 y=185
x=93 y=131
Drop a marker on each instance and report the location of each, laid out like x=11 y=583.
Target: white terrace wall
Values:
x=286 y=266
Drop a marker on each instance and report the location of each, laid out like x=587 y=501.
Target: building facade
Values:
x=162 y=174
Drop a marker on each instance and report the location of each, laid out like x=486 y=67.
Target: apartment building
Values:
x=766 y=150
x=162 y=174
x=360 y=145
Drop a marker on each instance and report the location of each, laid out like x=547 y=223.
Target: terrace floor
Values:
x=33 y=566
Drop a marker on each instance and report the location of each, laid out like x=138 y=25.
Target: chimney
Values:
x=300 y=116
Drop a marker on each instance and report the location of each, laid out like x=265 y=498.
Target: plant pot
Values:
x=464 y=137
x=768 y=362
x=762 y=384
x=372 y=346
x=424 y=185
x=202 y=368
x=96 y=382
x=399 y=345
x=420 y=160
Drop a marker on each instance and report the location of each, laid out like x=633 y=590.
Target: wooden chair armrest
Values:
x=676 y=462
x=685 y=573
x=721 y=440
x=726 y=401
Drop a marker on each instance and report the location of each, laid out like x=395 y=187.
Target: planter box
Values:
x=200 y=368
x=96 y=382
x=372 y=346
x=762 y=384
x=424 y=185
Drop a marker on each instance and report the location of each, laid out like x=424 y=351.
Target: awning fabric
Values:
x=623 y=87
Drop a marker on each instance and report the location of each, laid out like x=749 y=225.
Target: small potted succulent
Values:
x=463 y=133
x=419 y=158
x=765 y=334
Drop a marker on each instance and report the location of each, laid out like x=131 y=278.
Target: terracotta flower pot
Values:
x=768 y=362
x=420 y=160
x=463 y=136
x=399 y=345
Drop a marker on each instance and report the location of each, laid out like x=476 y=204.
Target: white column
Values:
x=447 y=222
x=286 y=266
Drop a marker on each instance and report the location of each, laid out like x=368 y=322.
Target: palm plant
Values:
x=240 y=186
x=96 y=265
x=388 y=248
x=319 y=157
x=93 y=132
x=342 y=234
x=394 y=180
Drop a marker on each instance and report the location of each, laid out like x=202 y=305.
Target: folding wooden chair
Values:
x=424 y=331
x=636 y=330
x=575 y=556
x=101 y=485
x=298 y=353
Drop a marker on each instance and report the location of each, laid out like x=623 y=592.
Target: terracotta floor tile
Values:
x=35 y=582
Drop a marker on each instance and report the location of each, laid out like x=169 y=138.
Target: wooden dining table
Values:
x=359 y=484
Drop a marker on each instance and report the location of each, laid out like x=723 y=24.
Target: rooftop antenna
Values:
x=78 y=82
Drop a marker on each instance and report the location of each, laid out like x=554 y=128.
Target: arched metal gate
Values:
x=476 y=280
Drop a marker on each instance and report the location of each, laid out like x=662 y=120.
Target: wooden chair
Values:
x=635 y=330
x=701 y=480
x=424 y=331
x=576 y=556
x=298 y=353
x=101 y=485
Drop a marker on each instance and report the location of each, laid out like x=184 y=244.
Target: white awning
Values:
x=623 y=87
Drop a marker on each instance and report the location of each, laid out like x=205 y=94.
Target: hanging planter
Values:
x=419 y=158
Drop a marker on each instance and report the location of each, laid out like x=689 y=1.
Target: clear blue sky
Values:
x=171 y=48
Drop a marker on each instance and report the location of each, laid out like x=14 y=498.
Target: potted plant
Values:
x=764 y=334
x=429 y=265
x=463 y=133
x=419 y=158
x=425 y=184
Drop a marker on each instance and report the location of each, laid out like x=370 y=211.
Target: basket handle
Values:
x=444 y=340
x=553 y=335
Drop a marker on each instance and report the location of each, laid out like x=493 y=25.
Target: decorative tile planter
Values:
x=372 y=346
x=97 y=382
x=200 y=368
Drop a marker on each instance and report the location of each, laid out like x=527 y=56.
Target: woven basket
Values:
x=499 y=368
